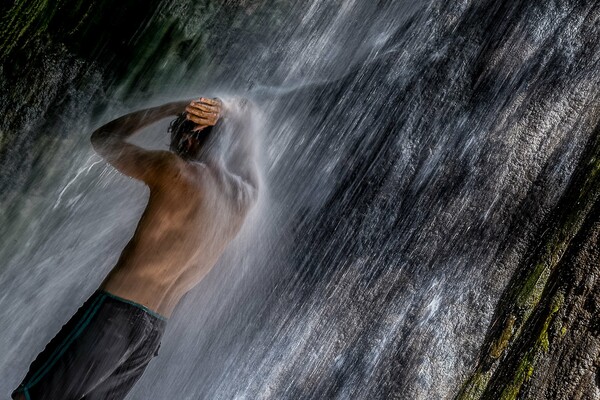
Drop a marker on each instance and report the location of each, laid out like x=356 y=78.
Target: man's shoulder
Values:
x=172 y=171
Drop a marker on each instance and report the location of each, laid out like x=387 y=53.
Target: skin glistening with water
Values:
x=194 y=208
x=200 y=194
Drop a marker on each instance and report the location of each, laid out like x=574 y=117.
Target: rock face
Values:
x=544 y=341
x=570 y=368
x=562 y=341
x=433 y=180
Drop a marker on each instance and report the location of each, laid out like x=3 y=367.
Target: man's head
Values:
x=186 y=139
x=191 y=129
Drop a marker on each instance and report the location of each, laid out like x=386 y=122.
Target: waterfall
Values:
x=411 y=151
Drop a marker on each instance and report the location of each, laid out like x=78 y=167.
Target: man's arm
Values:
x=240 y=161
x=109 y=141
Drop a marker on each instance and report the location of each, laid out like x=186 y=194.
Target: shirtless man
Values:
x=200 y=194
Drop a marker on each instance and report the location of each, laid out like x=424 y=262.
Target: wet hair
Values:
x=181 y=126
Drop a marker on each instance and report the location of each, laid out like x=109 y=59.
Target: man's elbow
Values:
x=96 y=140
x=101 y=142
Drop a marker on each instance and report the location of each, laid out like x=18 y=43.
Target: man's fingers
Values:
x=202 y=114
x=205 y=107
x=196 y=111
x=200 y=120
x=210 y=102
x=204 y=111
x=197 y=120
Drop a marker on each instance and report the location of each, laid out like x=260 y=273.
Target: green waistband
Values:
x=133 y=303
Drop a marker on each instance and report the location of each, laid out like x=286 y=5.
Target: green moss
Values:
x=20 y=22
x=533 y=286
x=502 y=343
x=530 y=292
x=563 y=331
x=522 y=375
x=557 y=303
x=529 y=373
x=542 y=345
x=473 y=389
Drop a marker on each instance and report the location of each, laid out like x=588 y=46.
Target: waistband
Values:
x=133 y=303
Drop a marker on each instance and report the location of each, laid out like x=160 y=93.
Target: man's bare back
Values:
x=193 y=212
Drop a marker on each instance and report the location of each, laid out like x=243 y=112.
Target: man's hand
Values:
x=204 y=112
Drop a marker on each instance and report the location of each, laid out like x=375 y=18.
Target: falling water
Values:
x=410 y=152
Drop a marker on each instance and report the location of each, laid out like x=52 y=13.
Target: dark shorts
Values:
x=99 y=354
